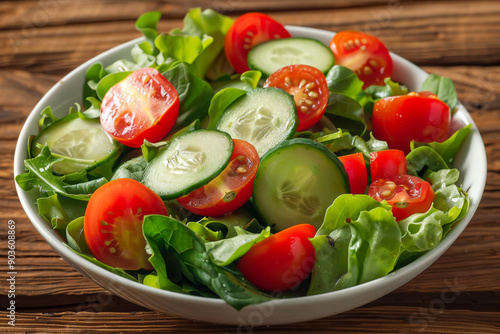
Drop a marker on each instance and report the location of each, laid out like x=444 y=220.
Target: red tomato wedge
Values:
x=308 y=86
x=144 y=105
x=387 y=163
x=364 y=54
x=406 y=194
x=113 y=223
x=248 y=30
x=231 y=189
x=282 y=261
x=355 y=167
x=417 y=116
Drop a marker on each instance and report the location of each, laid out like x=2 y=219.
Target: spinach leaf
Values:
x=225 y=251
x=131 y=169
x=75 y=236
x=194 y=94
x=168 y=236
x=346 y=113
x=449 y=148
x=443 y=87
x=423 y=158
x=221 y=101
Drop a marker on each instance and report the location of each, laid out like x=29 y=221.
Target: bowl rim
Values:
x=394 y=279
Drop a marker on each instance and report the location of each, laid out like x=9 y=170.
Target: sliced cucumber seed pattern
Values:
x=288 y=55
x=189 y=160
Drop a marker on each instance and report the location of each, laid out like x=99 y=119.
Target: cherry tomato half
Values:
x=417 y=116
x=144 y=105
x=406 y=194
x=113 y=223
x=364 y=54
x=230 y=189
x=248 y=30
x=355 y=167
x=281 y=261
x=387 y=163
x=308 y=86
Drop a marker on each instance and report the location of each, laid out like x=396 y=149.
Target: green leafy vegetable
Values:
x=221 y=101
x=168 y=236
x=443 y=87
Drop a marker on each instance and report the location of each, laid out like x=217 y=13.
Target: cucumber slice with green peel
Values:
x=270 y=56
x=82 y=142
x=296 y=182
x=188 y=162
x=264 y=117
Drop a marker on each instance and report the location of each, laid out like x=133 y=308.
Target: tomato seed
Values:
x=310 y=86
x=112 y=250
x=228 y=197
x=401 y=205
x=304 y=109
x=313 y=94
x=241 y=169
x=367 y=70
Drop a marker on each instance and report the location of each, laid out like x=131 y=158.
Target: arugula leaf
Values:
x=443 y=87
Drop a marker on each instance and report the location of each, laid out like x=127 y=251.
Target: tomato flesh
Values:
x=231 y=189
x=308 y=86
x=355 y=167
x=113 y=223
x=417 y=116
x=281 y=261
x=387 y=163
x=143 y=106
x=248 y=30
x=406 y=194
x=364 y=54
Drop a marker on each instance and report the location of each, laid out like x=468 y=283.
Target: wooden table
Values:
x=42 y=40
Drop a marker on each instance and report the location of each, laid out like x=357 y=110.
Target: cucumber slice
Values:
x=188 y=162
x=82 y=142
x=296 y=182
x=270 y=56
x=264 y=117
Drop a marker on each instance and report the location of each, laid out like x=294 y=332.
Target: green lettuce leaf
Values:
x=221 y=101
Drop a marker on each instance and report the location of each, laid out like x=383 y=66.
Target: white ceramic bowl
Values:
x=471 y=160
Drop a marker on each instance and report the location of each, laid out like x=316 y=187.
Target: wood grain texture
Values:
x=40 y=41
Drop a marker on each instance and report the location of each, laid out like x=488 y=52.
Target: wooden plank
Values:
x=451 y=35
x=366 y=319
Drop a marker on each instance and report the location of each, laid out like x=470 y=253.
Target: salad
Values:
x=228 y=159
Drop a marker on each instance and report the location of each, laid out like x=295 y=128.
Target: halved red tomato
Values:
x=417 y=116
x=282 y=261
x=406 y=194
x=113 y=223
x=144 y=105
x=364 y=54
x=248 y=30
x=355 y=167
x=387 y=163
x=230 y=189
x=308 y=86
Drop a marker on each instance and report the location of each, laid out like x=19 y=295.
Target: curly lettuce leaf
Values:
x=358 y=242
